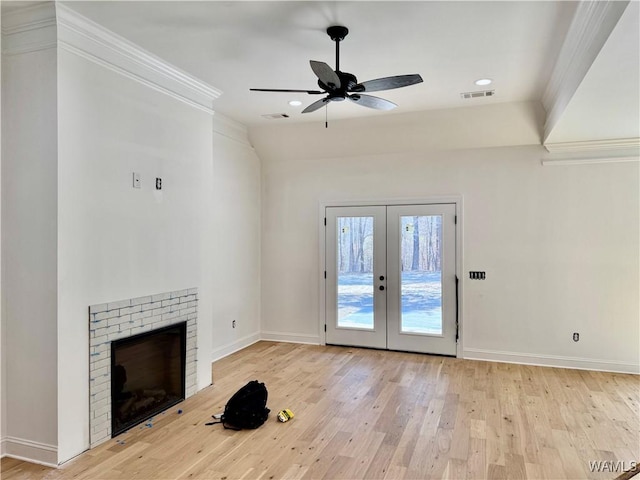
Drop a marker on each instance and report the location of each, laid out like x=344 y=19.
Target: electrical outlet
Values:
x=233 y=324
x=576 y=336
x=158 y=183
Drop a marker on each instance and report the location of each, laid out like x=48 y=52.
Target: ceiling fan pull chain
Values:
x=326 y=116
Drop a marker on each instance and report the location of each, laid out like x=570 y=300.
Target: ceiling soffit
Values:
x=588 y=33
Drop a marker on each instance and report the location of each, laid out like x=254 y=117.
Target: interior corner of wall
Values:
x=540 y=118
x=227 y=127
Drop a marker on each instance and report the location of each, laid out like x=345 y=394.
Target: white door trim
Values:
x=455 y=199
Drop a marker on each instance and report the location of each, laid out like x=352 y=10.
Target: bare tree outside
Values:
x=421 y=249
x=415 y=258
x=420 y=262
x=355 y=240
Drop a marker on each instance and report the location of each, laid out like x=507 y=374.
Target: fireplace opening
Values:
x=147 y=375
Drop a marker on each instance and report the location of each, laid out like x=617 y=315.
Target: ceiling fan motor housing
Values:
x=348 y=83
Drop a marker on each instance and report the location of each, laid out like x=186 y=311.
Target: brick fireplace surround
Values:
x=125 y=318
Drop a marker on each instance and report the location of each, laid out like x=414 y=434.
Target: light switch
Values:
x=136 y=180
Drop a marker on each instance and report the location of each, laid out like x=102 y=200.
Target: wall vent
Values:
x=275 y=116
x=481 y=93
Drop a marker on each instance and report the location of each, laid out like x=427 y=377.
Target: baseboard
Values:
x=551 y=361
x=225 y=350
x=28 y=451
x=290 y=338
x=3 y=447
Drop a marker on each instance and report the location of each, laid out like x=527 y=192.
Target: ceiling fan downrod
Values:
x=337 y=33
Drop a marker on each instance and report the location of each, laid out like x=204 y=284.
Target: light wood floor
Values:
x=370 y=414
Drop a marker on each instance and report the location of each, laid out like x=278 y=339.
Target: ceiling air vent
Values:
x=275 y=116
x=481 y=93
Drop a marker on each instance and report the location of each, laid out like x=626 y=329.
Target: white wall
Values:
x=559 y=244
x=236 y=245
x=79 y=130
x=3 y=364
x=117 y=242
x=29 y=260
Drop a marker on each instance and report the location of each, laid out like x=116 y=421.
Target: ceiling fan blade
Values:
x=372 y=102
x=325 y=74
x=310 y=92
x=316 y=105
x=388 y=83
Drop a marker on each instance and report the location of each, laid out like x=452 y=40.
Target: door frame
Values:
x=430 y=200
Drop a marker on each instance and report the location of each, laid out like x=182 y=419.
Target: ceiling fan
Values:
x=339 y=86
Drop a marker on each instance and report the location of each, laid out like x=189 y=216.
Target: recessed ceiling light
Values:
x=483 y=81
x=295 y=103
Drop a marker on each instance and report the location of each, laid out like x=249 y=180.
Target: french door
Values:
x=390 y=277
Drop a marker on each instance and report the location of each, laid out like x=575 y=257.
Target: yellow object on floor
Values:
x=285 y=415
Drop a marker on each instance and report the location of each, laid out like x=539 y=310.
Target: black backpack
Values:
x=247 y=408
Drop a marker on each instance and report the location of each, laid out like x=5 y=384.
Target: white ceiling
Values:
x=580 y=59
x=239 y=45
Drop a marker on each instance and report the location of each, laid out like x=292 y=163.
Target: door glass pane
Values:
x=421 y=265
x=355 y=272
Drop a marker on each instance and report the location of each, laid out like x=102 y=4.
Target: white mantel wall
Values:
x=559 y=243
x=83 y=118
x=117 y=242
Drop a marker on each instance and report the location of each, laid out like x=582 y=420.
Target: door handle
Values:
x=381 y=287
x=381 y=277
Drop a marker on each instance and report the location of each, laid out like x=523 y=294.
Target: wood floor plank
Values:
x=381 y=461
x=367 y=414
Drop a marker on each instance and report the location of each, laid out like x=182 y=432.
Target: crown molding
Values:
x=594 y=145
x=29 y=29
x=30 y=17
x=588 y=161
x=47 y=25
x=592 y=24
x=83 y=37
x=617 y=150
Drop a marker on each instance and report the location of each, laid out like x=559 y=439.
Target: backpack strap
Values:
x=225 y=425
x=214 y=423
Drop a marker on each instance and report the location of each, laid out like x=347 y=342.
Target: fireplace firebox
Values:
x=147 y=375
